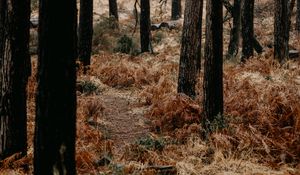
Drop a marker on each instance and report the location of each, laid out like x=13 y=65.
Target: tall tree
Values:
x=176 y=9
x=247 y=28
x=298 y=16
x=55 y=131
x=281 y=30
x=213 y=66
x=190 y=55
x=113 y=9
x=233 y=47
x=145 y=26
x=85 y=32
x=14 y=72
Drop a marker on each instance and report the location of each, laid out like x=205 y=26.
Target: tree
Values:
x=247 y=28
x=176 y=9
x=281 y=30
x=233 y=47
x=213 y=65
x=14 y=72
x=298 y=16
x=190 y=55
x=145 y=26
x=55 y=131
x=113 y=9
x=85 y=32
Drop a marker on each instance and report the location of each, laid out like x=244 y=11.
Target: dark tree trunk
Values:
x=55 y=131
x=233 y=47
x=145 y=26
x=213 y=66
x=176 y=9
x=113 y=9
x=85 y=32
x=298 y=16
x=14 y=71
x=247 y=29
x=281 y=30
x=190 y=56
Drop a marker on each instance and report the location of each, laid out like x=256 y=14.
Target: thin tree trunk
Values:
x=113 y=9
x=247 y=29
x=190 y=55
x=145 y=26
x=281 y=30
x=213 y=66
x=176 y=9
x=298 y=16
x=85 y=32
x=233 y=47
x=14 y=71
x=55 y=131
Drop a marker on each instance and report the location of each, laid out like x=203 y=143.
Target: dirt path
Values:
x=123 y=119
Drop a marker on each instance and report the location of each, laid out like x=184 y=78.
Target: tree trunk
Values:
x=233 y=47
x=281 y=30
x=298 y=16
x=176 y=9
x=247 y=28
x=85 y=32
x=145 y=26
x=213 y=66
x=113 y=9
x=190 y=56
x=14 y=71
x=55 y=131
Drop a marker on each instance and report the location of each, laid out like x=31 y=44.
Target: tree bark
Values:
x=298 y=16
x=176 y=9
x=85 y=32
x=190 y=55
x=213 y=65
x=55 y=131
x=233 y=47
x=247 y=28
x=14 y=71
x=145 y=26
x=113 y=9
x=281 y=30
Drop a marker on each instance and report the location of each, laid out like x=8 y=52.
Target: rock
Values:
x=293 y=54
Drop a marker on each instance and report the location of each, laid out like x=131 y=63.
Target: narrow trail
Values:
x=123 y=119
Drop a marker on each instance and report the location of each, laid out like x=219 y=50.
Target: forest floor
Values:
x=130 y=120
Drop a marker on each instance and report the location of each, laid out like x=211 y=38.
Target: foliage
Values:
x=126 y=45
x=87 y=87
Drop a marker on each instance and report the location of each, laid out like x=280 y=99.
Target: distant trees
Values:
x=14 y=72
x=213 y=65
x=145 y=26
x=247 y=28
x=233 y=47
x=176 y=9
x=85 y=33
x=190 y=55
x=113 y=9
x=54 y=140
x=281 y=30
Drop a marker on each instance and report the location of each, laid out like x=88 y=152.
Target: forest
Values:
x=150 y=87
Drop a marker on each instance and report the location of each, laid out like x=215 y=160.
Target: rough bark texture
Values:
x=298 y=16
x=281 y=30
x=190 y=56
x=247 y=28
x=113 y=9
x=213 y=66
x=233 y=47
x=14 y=71
x=145 y=26
x=85 y=32
x=54 y=140
x=176 y=9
